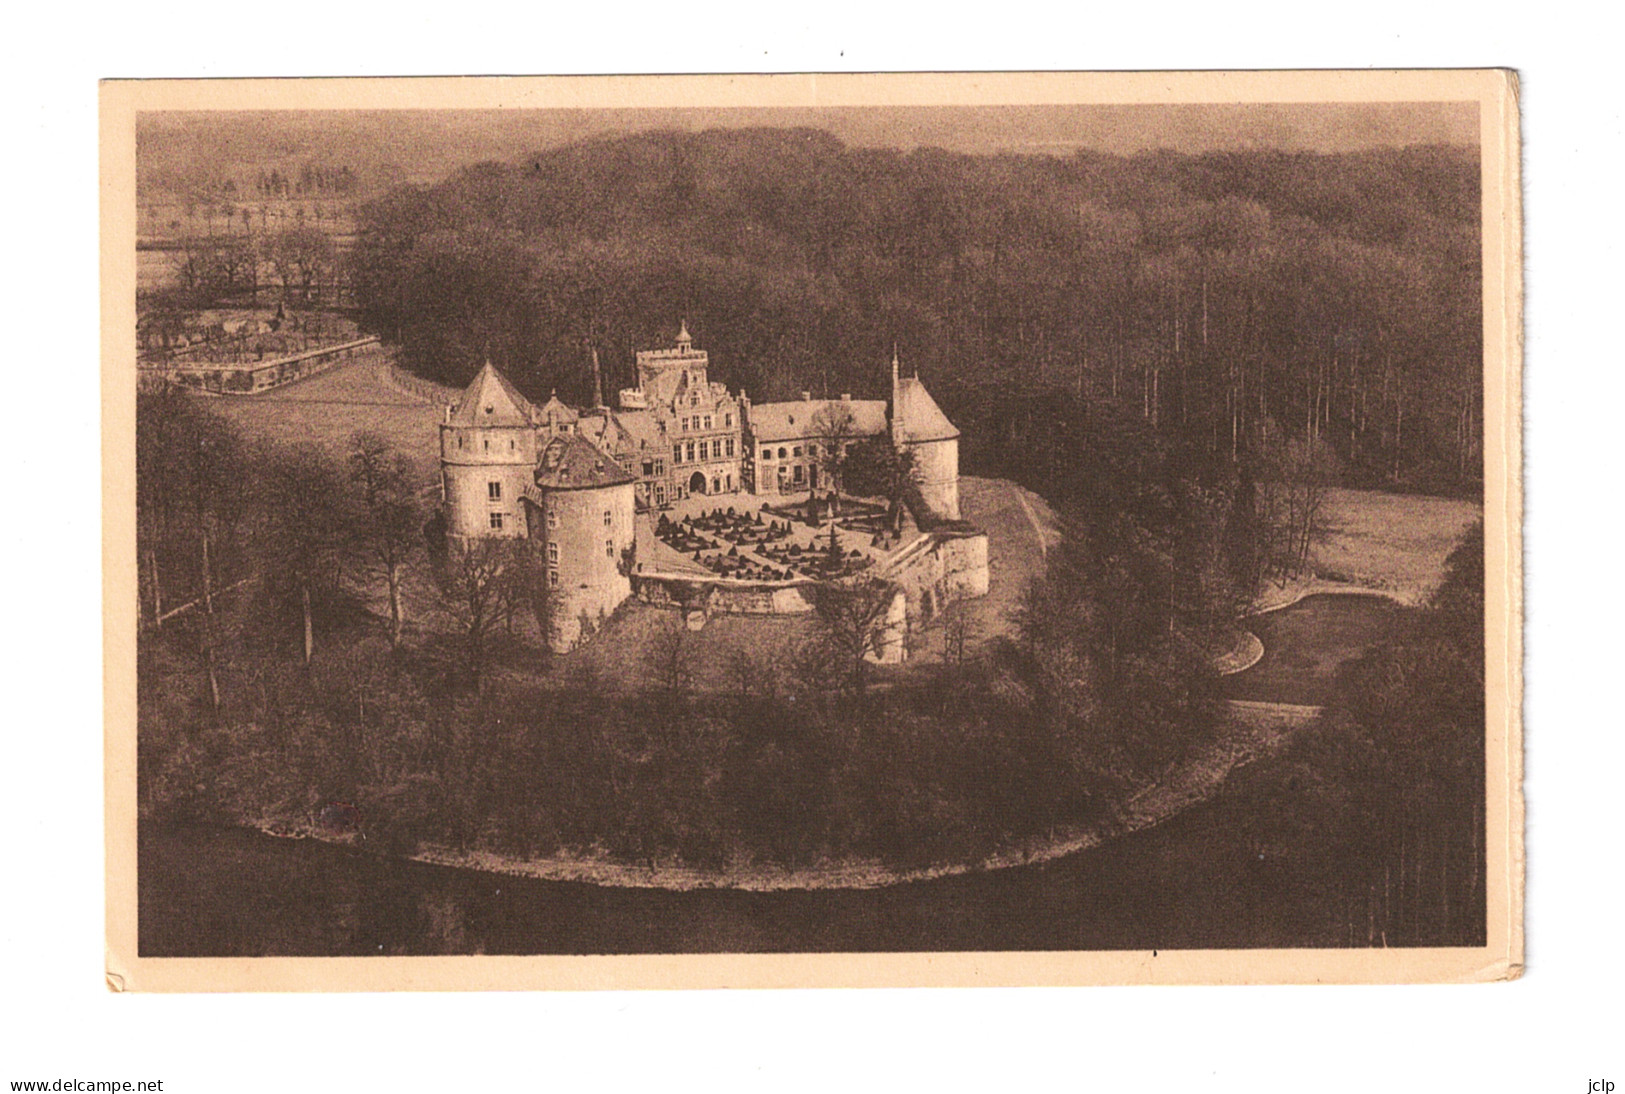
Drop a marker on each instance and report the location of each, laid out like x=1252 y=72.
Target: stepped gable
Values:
x=491 y=401
x=574 y=463
x=917 y=415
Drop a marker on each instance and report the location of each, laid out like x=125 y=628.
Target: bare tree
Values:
x=836 y=428
x=476 y=579
x=850 y=616
x=957 y=632
x=1299 y=475
x=389 y=517
x=671 y=656
x=305 y=526
x=303 y=259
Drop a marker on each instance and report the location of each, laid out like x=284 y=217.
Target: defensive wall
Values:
x=932 y=571
x=253 y=377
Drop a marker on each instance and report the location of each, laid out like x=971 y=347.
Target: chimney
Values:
x=806 y=396
x=597 y=382
x=846 y=396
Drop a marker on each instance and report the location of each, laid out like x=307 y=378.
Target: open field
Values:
x=1394 y=542
x=1305 y=646
x=326 y=409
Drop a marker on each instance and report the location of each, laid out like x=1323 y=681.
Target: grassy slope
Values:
x=1394 y=542
x=326 y=409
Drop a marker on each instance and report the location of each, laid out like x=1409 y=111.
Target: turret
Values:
x=580 y=508
x=487 y=453
x=919 y=425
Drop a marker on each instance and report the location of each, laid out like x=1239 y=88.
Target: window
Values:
x=796 y=452
x=496 y=522
x=460 y=440
x=812 y=450
x=800 y=472
x=488 y=444
x=606 y=518
x=730 y=481
x=552 y=518
x=660 y=495
x=676 y=453
x=708 y=421
x=510 y=446
x=688 y=451
x=727 y=421
x=716 y=485
x=730 y=446
x=783 y=454
x=648 y=468
x=705 y=451
x=493 y=491
x=553 y=552
x=553 y=578
x=767 y=453
x=609 y=548
x=685 y=425
x=660 y=467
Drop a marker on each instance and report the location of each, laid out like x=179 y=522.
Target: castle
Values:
x=574 y=479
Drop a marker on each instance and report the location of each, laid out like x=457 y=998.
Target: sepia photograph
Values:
x=794 y=531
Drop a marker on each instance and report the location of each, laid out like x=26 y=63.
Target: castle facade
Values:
x=573 y=479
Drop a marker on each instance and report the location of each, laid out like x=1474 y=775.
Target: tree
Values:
x=875 y=468
x=303 y=259
x=476 y=579
x=1297 y=476
x=851 y=617
x=835 y=428
x=389 y=517
x=306 y=522
x=671 y=657
x=190 y=466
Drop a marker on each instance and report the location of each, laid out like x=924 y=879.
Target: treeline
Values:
x=1330 y=298
x=312 y=178
x=300 y=265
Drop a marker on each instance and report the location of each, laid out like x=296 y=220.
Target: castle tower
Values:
x=579 y=512
x=487 y=453
x=918 y=424
x=662 y=371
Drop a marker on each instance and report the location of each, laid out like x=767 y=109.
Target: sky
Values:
x=431 y=143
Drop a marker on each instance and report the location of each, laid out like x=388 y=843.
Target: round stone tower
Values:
x=487 y=456
x=580 y=514
x=919 y=426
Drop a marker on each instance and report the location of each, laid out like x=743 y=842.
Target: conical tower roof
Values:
x=490 y=400
x=916 y=416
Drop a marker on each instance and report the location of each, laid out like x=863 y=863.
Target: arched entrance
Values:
x=696 y=483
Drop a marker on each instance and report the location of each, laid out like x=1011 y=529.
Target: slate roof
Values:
x=490 y=400
x=802 y=419
x=572 y=462
x=558 y=409
x=918 y=416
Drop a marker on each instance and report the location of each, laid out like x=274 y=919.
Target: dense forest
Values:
x=1229 y=298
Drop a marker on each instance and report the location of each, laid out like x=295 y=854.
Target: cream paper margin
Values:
x=1495 y=92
